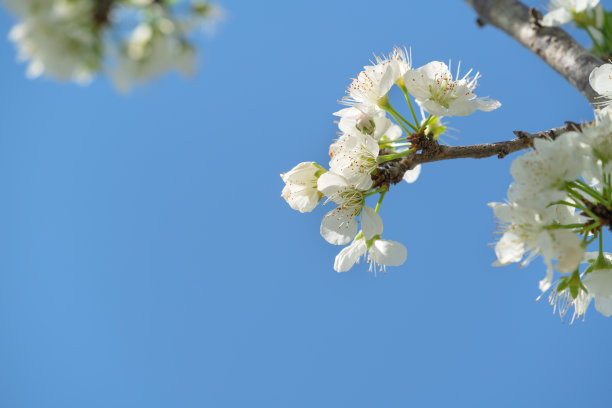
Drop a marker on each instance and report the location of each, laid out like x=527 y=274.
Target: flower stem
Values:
x=580 y=185
x=393 y=156
x=380 y=199
x=576 y=196
x=426 y=123
x=389 y=141
x=566 y=226
x=384 y=104
x=397 y=145
x=407 y=96
x=579 y=207
x=379 y=190
x=398 y=118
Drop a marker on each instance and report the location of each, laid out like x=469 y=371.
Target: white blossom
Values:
x=355 y=158
x=599 y=285
x=59 y=42
x=364 y=119
x=150 y=51
x=439 y=94
x=300 y=189
x=562 y=11
x=69 y=39
x=379 y=253
x=525 y=230
x=595 y=283
x=598 y=138
x=375 y=81
x=541 y=174
x=400 y=62
x=339 y=226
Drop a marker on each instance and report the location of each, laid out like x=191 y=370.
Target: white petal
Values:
x=547 y=281
x=372 y=145
x=349 y=255
x=582 y=5
x=589 y=257
x=432 y=107
x=411 y=176
x=462 y=107
x=604 y=306
x=510 y=248
x=417 y=81
x=556 y=17
x=487 y=105
x=362 y=182
x=371 y=223
x=569 y=251
x=394 y=132
x=601 y=79
x=389 y=253
x=338 y=227
x=599 y=283
x=329 y=183
x=303 y=173
x=502 y=211
x=301 y=198
x=581 y=303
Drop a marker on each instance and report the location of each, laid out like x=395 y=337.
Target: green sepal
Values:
x=574 y=291
x=322 y=170
x=563 y=284
x=601 y=262
x=575 y=284
x=370 y=242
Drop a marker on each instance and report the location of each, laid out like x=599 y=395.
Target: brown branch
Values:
x=393 y=171
x=552 y=44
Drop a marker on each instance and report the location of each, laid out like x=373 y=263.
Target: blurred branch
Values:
x=101 y=14
x=392 y=172
x=557 y=48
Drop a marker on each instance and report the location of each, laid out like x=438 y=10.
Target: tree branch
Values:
x=392 y=172
x=552 y=44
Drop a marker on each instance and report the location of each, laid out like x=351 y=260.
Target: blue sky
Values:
x=147 y=259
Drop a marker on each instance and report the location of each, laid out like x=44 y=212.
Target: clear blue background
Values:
x=147 y=259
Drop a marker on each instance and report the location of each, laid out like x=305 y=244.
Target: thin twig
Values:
x=393 y=171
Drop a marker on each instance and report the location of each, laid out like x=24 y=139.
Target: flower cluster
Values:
x=559 y=202
x=371 y=134
x=69 y=39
